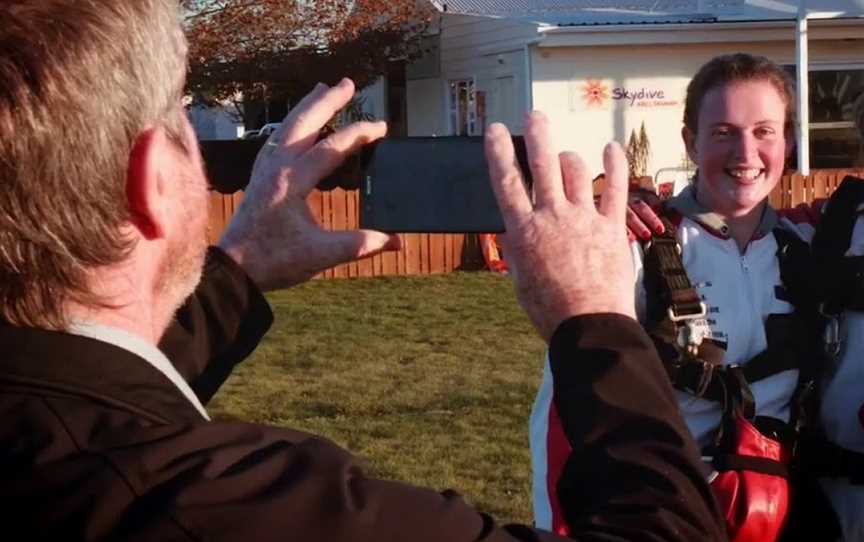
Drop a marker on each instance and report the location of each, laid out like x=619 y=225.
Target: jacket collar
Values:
x=686 y=204
x=61 y=363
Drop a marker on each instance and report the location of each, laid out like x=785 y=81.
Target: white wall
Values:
x=488 y=50
x=560 y=75
x=374 y=99
x=425 y=107
x=215 y=122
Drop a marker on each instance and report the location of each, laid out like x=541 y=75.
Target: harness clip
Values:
x=831 y=332
x=692 y=333
x=703 y=310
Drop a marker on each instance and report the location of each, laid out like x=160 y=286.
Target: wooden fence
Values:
x=795 y=189
x=337 y=209
x=424 y=253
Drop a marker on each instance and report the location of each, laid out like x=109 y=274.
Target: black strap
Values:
x=724 y=384
x=670 y=295
x=764 y=465
x=845 y=287
x=703 y=374
x=670 y=278
x=788 y=342
x=839 y=279
x=818 y=457
x=834 y=233
x=796 y=263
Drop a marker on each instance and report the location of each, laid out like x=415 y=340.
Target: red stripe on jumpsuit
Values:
x=557 y=451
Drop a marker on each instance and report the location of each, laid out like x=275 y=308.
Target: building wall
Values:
x=426 y=107
x=374 y=99
x=561 y=75
x=492 y=53
x=215 y=122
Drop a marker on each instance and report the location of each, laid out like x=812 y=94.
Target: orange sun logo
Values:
x=594 y=93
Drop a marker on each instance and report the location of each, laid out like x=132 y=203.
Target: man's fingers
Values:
x=330 y=152
x=613 y=202
x=505 y=176
x=349 y=245
x=300 y=128
x=543 y=160
x=577 y=185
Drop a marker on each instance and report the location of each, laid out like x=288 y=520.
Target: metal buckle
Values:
x=689 y=335
x=831 y=333
x=703 y=310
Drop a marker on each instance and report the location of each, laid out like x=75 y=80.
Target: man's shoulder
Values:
x=163 y=476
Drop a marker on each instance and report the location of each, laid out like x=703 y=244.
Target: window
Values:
x=834 y=141
x=463 y=108
x=397 y=99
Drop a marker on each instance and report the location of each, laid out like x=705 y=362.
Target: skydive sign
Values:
x=642 y=97
x=596 y=94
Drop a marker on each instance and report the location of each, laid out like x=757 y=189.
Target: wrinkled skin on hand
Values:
x=273 y=235
x=567 y=258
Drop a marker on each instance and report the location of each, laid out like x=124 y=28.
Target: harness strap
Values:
x=673 y=303
x=821 y=458
x=728 y=385
x=764 y=465
x=795 y=259
x=679 y=294
x=839 y=278
x=846 y=288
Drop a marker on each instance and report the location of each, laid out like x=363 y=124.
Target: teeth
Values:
x=748 y=174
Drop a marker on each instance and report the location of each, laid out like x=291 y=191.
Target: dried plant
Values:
x=638 y=153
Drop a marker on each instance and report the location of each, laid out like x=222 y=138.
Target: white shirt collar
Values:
x=143 y=349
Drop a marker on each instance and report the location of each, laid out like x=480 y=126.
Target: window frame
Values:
x=471 y=119
x=826 y=67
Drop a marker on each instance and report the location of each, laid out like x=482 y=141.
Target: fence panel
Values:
x=794 y=189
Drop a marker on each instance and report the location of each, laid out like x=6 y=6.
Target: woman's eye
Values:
x=764 y=132
x=720 y=132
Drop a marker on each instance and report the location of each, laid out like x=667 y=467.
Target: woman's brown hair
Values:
x=726 y=69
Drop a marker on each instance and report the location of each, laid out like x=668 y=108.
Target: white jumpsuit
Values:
x=739 y=289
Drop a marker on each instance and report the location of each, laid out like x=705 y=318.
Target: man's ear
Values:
x=690 y=143
x=150 y=164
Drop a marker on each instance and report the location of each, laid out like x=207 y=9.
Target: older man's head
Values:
x=86 y=88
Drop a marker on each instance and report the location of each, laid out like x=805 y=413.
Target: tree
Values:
x=261 y=49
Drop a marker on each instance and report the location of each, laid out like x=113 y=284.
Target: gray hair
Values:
x=79 y=81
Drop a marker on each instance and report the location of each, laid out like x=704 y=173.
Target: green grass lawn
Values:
x=430 y=378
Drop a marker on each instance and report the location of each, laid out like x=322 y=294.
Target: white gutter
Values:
x=662 y=27
x=680 y=34
x=825 y=19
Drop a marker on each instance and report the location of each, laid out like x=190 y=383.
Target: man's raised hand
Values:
x=567 y=258
x=273 y=236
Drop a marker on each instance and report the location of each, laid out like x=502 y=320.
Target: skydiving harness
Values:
x=750 y=454
x=693 y=360
x=839 y=284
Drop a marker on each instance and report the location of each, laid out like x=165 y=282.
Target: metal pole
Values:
x=802 y=64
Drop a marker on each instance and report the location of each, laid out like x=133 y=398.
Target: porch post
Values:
x=802 y=64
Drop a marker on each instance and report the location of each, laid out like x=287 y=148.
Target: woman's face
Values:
x=740 y=148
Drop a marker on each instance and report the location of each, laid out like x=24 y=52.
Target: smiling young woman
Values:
x=713 y=296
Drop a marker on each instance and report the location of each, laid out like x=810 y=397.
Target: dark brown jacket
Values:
x=95 y=444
